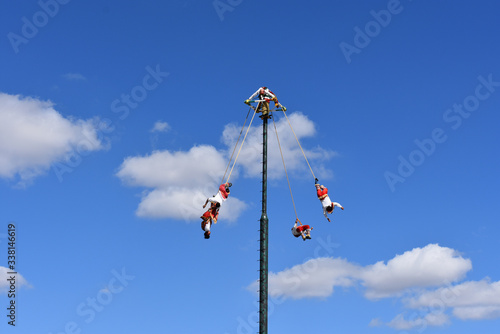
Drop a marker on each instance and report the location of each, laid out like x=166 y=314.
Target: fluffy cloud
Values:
x=181 y=182
x=314 y=278
x=426 y=280
x=472 y=300
x=477 y=312
x=33 y=135
x=431 y=265
x=430 y=319
x=251 y=153
x=161 y=169
x=468 y=300
x=420 y=267
x=184 y=203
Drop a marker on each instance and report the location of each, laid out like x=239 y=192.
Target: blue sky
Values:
x=118 y=120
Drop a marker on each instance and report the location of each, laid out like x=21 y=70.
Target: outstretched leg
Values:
x=337 y=204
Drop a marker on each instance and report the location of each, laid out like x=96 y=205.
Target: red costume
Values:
x=326 y=202
x=302 y=228
x=223 y=192
x=322 y=193
x=211 y=214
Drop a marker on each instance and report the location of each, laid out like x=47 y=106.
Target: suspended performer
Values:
x=210 y=216
x=266 y=95
x=221 y=195
x=302 y=230
x=327 y=204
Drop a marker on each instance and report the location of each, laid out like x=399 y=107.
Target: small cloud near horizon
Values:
x=74 y=76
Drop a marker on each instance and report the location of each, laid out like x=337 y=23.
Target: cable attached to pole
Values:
x=291 y=127
x=286 y=173
x=235 y=145
x=237 y=155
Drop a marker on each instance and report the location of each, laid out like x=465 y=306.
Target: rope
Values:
x=234 y=149
x=286 y=173
x=237 y=155
x=299 y=144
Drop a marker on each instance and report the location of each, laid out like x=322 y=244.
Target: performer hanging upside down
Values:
x=265 y=94
x=302 y=230
x=328 y=205
x=221 y=195
x=210 y=216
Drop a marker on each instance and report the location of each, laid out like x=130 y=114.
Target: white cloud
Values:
x=160 y=127
x=33 y=135
x=472 y=300
x=468 y=300
x=316 y=278
x=181 y=182
x=251 y=153
x=198 y=166
x=477 y=312
x=375 y=323
x=74 y=76
x=416 y=322
x=5 y=284
x=426 y=280
x=432 y=265
x=184 y=203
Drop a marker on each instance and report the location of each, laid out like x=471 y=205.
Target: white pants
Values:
x=217 y=198
x=207 y=226
x=326 y=202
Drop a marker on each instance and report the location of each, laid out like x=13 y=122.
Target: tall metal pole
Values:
x=263 y=234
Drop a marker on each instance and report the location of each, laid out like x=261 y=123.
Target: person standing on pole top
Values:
x=266 y=95
x=327 y=204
